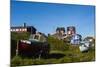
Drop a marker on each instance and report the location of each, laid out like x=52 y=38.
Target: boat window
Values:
x=36 y=37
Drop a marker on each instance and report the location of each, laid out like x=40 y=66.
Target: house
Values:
x=68 y=36
x=84 y=46
x=23 y=28
x=90 y=39
x=60 y=32
x=71 y=30
x=76 y=39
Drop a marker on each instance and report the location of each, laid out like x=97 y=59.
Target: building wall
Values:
x=19 y=30
x=24 y=29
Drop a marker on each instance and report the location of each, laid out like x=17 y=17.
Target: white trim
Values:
x=82 y=2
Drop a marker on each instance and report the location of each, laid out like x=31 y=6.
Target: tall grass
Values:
x=69 y=57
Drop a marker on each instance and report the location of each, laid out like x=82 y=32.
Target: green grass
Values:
x=68 y=56
x=60 y=52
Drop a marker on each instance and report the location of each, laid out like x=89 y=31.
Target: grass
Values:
x=60 y=52
x=55 y=57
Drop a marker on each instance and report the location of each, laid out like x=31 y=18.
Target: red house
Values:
x=24 y=28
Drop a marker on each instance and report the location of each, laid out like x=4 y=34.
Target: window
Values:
x=13 y=30
x=20 y=29
x=17 y=29
x=36 y=37
x=69 y=32
x=25 y=29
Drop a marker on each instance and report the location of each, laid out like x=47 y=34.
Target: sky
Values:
x=46 y=17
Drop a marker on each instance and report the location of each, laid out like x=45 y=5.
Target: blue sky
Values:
x=46 y=17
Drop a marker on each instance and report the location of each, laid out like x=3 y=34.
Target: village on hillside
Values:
x=60 y=33
x=64 y=46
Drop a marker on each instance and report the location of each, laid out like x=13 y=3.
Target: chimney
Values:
x=24 y=25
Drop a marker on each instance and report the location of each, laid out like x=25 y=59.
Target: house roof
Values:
x=60 y=28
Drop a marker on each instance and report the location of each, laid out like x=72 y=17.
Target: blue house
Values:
x=76 y=39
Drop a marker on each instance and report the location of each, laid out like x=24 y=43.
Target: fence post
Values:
x=17 y=49
x=40 y=54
